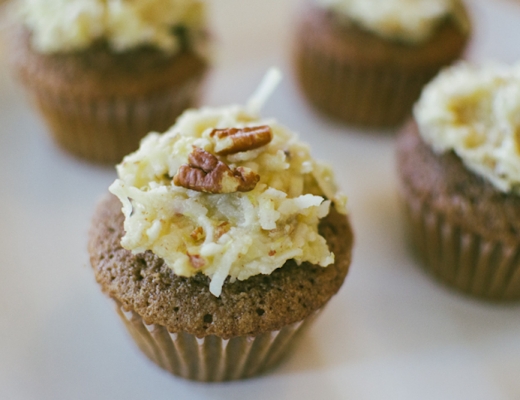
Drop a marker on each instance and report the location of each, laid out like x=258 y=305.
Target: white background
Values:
x=391 y=332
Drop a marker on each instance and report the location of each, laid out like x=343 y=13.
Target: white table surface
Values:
x=391 y=332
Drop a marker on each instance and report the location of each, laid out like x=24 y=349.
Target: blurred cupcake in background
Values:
x=459 y=166
x=105 y=73
x=365 y=61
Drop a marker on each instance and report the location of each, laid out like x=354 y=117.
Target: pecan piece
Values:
x=235 y=140
x=206 y=173
x=196 y=261
x=197 y=234
x=222 y=228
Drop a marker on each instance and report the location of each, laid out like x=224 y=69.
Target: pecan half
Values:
x=206 y=173
x=235 y=140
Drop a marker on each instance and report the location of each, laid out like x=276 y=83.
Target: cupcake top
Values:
x=475 y=112
x=226 y=193
x=411 y=21
x=69 y=25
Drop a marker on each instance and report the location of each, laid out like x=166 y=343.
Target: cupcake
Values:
x=223 y=242
x=459 y=167
x=364 y=62
x=105 y=73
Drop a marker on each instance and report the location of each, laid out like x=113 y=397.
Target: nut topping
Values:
x=235 y=140
x=197 y=234
x=206 y=173
x=196 y=261
x=222 y=229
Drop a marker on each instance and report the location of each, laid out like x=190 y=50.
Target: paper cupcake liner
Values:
x=464 y=259
x=371 y=95
x=211 y=358
x=105 y=130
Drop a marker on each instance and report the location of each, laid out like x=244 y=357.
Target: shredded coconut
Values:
x=411 y=21
x=475 y=111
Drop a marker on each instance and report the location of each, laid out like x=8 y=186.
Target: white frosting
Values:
x=237 y=234
x=475 y=111
x=406 y=20
x=67 y=25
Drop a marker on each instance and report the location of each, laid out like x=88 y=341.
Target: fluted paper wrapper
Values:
x=463 y=259
x=211 y=358
x=105 y=130
x=377 y=96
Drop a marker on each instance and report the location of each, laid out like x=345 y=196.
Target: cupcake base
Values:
x=212 y=358
x=373 y=97
x=105 y=130
x=463 y=259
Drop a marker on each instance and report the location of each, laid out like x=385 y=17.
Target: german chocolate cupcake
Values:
x=365 y=61
x=105 y=73
x=231 y=239
x=459 y=166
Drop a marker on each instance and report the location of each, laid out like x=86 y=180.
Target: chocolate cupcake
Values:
x=365 y=62
x=230 y=241
x=459 y=167
x=104 y=74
